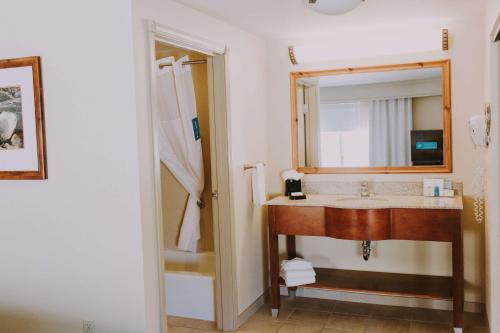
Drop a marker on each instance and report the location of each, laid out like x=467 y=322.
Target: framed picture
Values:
x=22 y=131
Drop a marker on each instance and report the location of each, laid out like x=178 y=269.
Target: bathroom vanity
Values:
x=378 y=218
x=393 y=118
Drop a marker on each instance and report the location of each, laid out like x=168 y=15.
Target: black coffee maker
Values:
x=294 y=186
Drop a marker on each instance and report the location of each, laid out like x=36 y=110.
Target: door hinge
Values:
x=215 y=195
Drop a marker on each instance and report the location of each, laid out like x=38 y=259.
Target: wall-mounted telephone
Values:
x=479 y=129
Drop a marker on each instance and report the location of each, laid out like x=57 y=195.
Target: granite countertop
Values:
x=379 y=201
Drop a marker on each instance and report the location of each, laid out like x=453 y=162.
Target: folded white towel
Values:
x=291 y=174
x=299 y=282
x=296 y=263
x=259 y=185
x=299 y=274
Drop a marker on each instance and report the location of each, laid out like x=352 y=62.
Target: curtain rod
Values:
x=191 y=62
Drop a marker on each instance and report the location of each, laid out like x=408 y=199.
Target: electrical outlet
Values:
x=88 y=326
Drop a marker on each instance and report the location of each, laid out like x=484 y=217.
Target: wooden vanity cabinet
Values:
x=441 y=225
x=358 y=224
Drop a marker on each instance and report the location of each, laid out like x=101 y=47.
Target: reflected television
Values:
x=427 y=147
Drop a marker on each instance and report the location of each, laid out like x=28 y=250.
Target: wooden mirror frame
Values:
x=445 y=65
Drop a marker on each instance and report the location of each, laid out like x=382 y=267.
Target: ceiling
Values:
x=281 y=19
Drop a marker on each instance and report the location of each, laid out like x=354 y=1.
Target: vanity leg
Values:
x=274 y=263
x=290 y=247
x=291 y=253
x=458 y=278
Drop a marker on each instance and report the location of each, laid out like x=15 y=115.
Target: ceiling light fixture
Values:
x=333 y=7
x=375 y=43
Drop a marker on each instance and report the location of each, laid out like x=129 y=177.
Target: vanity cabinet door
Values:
x=358 y=224
x=296 y=220
x=424 y=224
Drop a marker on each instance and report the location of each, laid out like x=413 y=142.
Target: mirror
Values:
x=386 y=119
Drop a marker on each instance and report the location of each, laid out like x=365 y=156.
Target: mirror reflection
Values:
x=374 y=119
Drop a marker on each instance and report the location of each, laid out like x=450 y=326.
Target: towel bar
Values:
x=250 y=166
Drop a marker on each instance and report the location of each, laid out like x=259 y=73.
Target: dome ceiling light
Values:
x=333 y=7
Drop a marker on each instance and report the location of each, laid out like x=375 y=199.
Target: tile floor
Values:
x=308 y=315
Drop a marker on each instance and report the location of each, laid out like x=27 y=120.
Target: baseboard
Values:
x=250 y=311
x=383 y=300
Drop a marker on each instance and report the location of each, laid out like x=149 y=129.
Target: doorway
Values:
x=192 y=279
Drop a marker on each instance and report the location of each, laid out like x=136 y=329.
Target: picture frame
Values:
x=23 y=153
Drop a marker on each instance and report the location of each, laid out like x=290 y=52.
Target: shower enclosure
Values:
x=192 y=178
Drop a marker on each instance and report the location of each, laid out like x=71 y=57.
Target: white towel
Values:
x=296 y=263
x=291 y=174
x=298 y=274
x=259 y=185
x=299 y=282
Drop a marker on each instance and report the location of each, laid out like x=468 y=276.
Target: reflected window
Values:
x=344 y=134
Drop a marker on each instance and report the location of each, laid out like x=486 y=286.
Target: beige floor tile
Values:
x=307 y=315
x=313 y=304
x=264 y=314
x=353 y=308
x=174 y=329
x=347 y=322
x=334 y=330
x=375 y=325
x=476 y=329
x=303 y=328
x=432 y=316
x=259 y=327
x=301 y=316
x=392 y=312
x=421 y=327
x=192 y=323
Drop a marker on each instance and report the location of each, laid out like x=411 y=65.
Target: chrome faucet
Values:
x=364 y=192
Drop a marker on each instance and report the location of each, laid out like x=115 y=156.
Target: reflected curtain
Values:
x=390 y=124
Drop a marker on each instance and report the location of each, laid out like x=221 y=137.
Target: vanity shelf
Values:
x=379 y=283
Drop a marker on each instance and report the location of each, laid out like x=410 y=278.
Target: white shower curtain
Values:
x=390 y=122
x=180 y=143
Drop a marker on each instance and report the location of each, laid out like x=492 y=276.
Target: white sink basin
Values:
x=360 y=199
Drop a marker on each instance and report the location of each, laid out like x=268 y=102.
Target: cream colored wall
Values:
x=247 y=126
x=71 y=245
x=174 y=196
x=492 y=80
x=467 y=58
x=427 y=112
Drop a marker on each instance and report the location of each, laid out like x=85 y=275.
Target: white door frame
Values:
x=226 y=292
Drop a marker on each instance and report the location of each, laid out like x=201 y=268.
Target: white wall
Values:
x=70 y=246
x=467 y=58
x=248 y=119
x=492 y=79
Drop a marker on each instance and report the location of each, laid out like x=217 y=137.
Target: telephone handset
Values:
x=479 y=129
